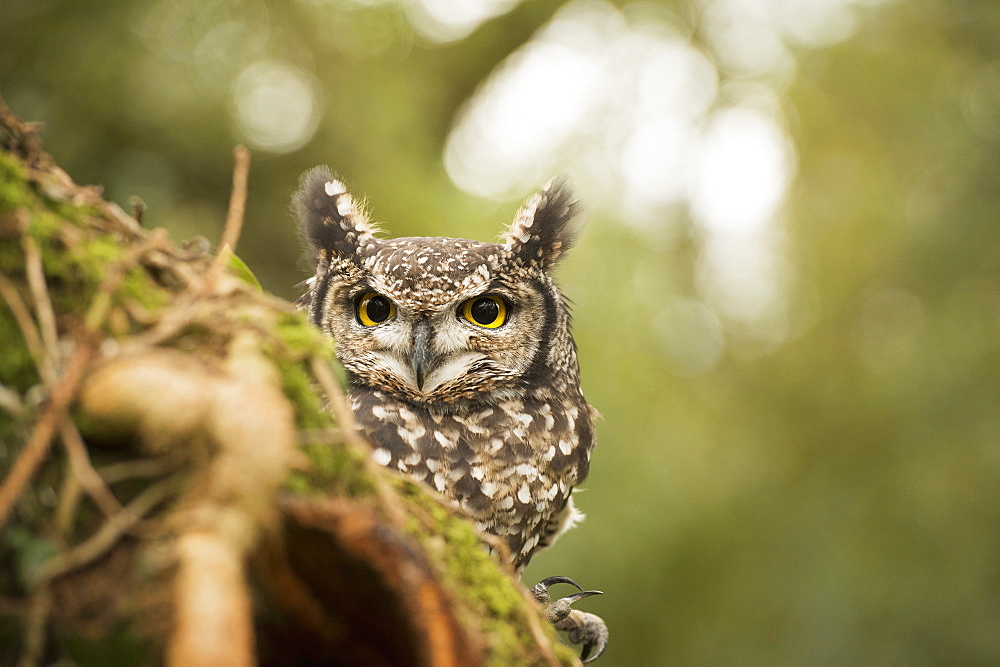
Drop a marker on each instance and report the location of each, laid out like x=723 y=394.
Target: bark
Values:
x=179 y=478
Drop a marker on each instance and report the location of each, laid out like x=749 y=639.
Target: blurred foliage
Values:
x=827 y=495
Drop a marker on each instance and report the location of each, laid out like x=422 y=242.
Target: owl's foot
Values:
x=583 y=628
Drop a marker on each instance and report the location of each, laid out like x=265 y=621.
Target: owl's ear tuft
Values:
x=545 y=226
x=330 y=221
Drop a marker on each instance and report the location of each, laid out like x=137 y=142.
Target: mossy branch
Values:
x=173 y=483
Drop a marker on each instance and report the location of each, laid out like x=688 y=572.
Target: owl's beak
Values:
x=420 y=355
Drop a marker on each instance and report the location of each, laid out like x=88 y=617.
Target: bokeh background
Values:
x=787 y=298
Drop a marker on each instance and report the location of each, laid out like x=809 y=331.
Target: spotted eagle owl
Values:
x=462 y=370
x=463 y=373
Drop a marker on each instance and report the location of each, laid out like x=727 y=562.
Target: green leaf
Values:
x=242 y=271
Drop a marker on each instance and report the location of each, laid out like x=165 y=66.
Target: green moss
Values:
x=335 y=470
x=489 y=595
x=301 y=338
x=139 y=287
x=295 y=341
x=17 y=368
x=297 y=384
x=75 y=273
x=44 y=226
x=14 y=192
x=93 y=258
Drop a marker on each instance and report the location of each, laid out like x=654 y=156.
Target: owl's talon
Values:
x=581 y=627
x=587 y=629
x=542 y=587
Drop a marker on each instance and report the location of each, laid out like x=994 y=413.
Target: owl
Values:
x=462 y=371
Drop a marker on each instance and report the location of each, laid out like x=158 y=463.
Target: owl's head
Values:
x=440 y=320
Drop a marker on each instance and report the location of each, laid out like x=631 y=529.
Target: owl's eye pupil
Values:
x=374 y=309
x=485 y=311
x=378 y=309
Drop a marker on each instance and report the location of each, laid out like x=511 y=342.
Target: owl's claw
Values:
x=587 y=629
x=541 y=589
x=582 y=627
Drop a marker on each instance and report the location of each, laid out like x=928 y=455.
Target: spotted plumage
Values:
x=462 y=370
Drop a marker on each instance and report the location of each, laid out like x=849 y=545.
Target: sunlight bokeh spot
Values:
x=617 y=99
x=515 y=125
x=276 y=106
x=655 y=159
x=744 y=40
x=628 y=106
x=742 y=175
x=743 y=171
x=673 y=76
x=186 y=31
x=451 y=20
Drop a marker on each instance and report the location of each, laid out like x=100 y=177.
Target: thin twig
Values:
x=27 y=325
x=10 y=402
x=82 y=468
x=106 y=536
x=101 y=303
x=75 y=447
x=237 y=205
x=138 y=208
x=34 y=627
x=338 y=401
x=182 y=313
x=40 y=295
x=113 y=473
x=69 y=500
x=34 y=451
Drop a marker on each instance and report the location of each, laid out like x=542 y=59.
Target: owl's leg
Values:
x=583 y=628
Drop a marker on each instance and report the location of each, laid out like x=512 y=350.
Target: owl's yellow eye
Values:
x=374 y=309
x=485 y=311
